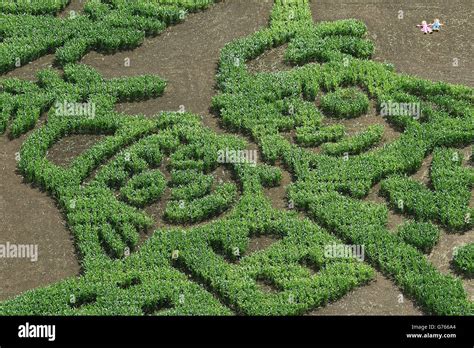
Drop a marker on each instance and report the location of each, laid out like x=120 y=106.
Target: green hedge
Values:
x=144 y=188
x=310 y=137
x=200 y=209
x=29 y=32
x=345 y=103
x=357 y=143
x=423 y=236
x=44 y=7
x=463 y=259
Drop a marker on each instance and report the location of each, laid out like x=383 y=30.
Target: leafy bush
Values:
x=356 y=144
x=144 y=188
x=464 y=259
x=202 y=208
x=345 y=103
x=310 y=137
x=423 y=236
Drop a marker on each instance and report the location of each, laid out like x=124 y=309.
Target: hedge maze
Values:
x=28 y=31
x=203 y=263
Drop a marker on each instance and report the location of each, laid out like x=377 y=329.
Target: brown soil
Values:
x=67 y=149
x=29 y=216
x=278 y=195
x=380 y=297
x=270 y=61
x=423 y=174
x=29 y=70
x=75 y=6
x=260 y=243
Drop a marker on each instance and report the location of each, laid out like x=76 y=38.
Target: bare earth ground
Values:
x=186 y=55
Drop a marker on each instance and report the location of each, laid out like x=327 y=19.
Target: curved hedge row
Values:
x=104 y=26
x=464 y=259
x=356 y=144
x=306 y=136
x=144 y=188
x=182 y=212
x=345 y=103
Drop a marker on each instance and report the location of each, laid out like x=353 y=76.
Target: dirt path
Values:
x=380 y=297
x=29 y=216
x=186 y=55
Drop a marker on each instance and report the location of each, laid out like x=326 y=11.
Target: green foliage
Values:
x=423 y=236
x=357 y=143
x=43 y=7
x=200 y=209
x=310 y=137
x=447 y=203
x=364 y=224
x=464 y=259
x=345 y=103
x=190 y=184
x=194 y=270
x=250 y=104
x=25 y=102
x=329 y=41
x=144 y=188
x=105 y=26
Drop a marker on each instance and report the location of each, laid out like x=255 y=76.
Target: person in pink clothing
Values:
x=425 y=27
